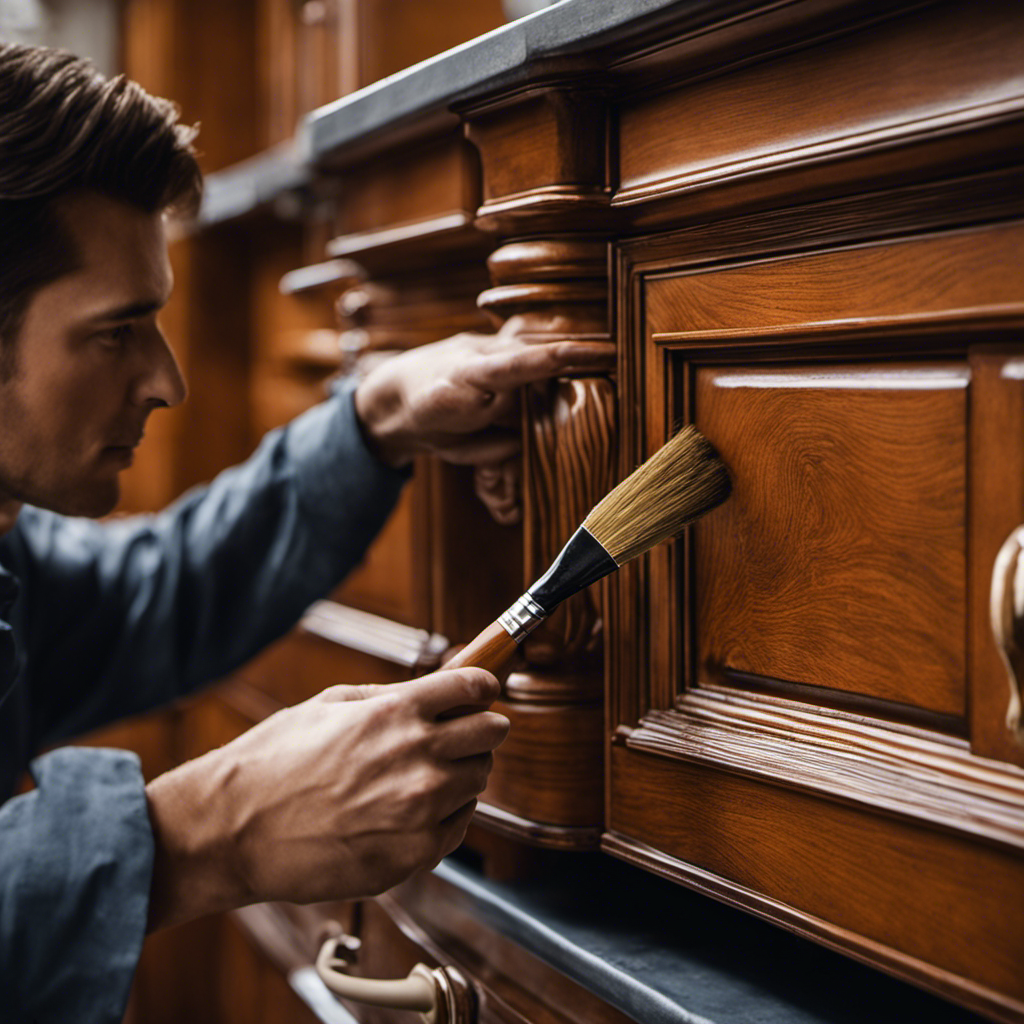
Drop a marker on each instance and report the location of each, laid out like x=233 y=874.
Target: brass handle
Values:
x=441 y=995
x=1007 y=611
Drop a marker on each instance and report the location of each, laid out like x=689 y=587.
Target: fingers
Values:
x=344 y=692
x=447 y=689
x=454 y=829
x=500 y=371
x=469 y=735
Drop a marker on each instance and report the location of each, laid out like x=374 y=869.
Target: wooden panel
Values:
x=916 y=283
x=840 y=559
x=882 y=889
x=913 y=79
x=437 y=179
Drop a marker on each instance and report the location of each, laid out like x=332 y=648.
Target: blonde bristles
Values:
x=679 y=483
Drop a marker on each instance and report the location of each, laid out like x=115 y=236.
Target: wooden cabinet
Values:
x=801 y=227
x=809 y=698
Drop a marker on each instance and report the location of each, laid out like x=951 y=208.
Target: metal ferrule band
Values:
x=522 y=618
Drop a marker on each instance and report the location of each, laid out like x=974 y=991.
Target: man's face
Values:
x=90 y=364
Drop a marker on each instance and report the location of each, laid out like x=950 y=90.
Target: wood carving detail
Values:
x=570 y=444
x=1007 y=608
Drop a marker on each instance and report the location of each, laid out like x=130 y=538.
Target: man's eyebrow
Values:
x=130 y=311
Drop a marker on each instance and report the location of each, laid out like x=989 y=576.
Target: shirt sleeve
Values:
x=77 y=857
x=126 y=615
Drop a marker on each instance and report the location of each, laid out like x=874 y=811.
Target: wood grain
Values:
x=916 y=281
x=550 y=768
x=926 y=905
x=839 y=561
x=996 y=509
x=493 y=649
x=904 y=81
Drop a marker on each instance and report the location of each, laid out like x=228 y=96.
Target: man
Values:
x=341 y=796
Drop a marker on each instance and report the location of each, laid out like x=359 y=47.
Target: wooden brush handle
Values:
x=492 y=649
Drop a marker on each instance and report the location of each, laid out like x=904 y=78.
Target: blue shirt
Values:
x=102 y=620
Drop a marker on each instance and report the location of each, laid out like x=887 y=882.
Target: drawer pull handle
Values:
x=441 y=995
x=1007 y=609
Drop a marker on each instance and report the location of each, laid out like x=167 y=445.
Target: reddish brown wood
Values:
x=695 y=326
x=839 y=559
x=493 y=649
x=547 y=768
x=755 y=841
x=877 y=105
x=996 y=509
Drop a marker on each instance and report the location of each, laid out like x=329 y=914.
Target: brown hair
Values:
x=65 y=128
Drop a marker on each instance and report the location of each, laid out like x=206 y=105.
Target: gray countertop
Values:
x=665 y=955
x=500 y=59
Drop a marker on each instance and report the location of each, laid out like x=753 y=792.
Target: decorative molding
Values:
x=571 y=449
x=874 y=954
x=899 y=769
x=955 y=203
x=379 y=637
x=900 y=113
x=420 y=239
x=573 y=208
x=402 y=312
x=340 y=273
x=551 y=837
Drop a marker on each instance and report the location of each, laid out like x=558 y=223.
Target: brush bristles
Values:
x=679 y=483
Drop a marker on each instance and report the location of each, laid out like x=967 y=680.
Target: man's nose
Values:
x=161 y=383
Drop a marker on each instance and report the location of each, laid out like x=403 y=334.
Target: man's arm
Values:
x=344 y=795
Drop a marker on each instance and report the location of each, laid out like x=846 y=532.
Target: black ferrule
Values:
x=581 y=562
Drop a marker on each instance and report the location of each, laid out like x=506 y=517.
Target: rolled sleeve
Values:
x=76 y=860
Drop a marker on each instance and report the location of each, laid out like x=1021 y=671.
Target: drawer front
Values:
x=840 y=559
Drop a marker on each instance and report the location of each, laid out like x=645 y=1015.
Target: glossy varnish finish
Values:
x=853 y=410
x=812 y=212
x=839 y=560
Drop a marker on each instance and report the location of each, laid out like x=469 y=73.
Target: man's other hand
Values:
x=342 y=796
x=457 y=398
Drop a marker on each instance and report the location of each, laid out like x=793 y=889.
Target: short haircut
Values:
x=66 y=129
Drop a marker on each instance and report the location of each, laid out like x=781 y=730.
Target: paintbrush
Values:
x=677 y=485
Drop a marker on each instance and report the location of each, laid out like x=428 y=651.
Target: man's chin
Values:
x=92 y=502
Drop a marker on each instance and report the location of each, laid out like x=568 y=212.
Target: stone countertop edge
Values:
x=251 y=183
x=621 y=990
x=503 y=57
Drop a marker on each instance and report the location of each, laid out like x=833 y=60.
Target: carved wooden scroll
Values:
x=570 y=449
x=1007 y=607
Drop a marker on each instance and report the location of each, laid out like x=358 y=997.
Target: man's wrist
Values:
x=194 y=863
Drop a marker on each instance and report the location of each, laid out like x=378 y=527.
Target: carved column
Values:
x=546 y=199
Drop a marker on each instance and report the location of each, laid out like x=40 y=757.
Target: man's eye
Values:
x=115 y=337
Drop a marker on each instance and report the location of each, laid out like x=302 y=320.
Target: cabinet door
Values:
x=808 y=708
